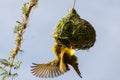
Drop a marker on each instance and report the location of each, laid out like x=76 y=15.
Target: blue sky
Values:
x=101 y=62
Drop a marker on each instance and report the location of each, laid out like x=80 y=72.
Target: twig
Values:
x=74 y=3
x=20 y=33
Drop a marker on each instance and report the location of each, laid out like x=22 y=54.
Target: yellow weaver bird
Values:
x=59 y=66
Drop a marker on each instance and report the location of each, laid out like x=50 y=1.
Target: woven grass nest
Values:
x=73 y=31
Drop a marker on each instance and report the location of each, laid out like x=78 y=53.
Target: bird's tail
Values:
x=73 y=61
x=75 y=66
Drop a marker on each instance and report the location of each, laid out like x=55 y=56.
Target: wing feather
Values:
x=47 y=70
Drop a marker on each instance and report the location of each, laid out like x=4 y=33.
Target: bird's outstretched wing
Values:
x=47 y=70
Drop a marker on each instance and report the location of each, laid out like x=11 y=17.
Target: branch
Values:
x=19 y=31
x=27 y=7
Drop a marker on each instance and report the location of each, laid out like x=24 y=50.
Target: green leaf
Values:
x=18 y=27
x=4 y=62
x=17 y=64
x=3 y=71
x=0 y=67
x=24 y=8
x=4 y=77
x=14 y=75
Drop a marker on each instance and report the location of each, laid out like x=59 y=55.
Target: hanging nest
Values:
x=72 y=31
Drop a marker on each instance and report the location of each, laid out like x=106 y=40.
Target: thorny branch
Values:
x=20 y=33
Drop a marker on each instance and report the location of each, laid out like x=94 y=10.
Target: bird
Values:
x=60 y=65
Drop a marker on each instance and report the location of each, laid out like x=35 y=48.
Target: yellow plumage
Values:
x=64 y=56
